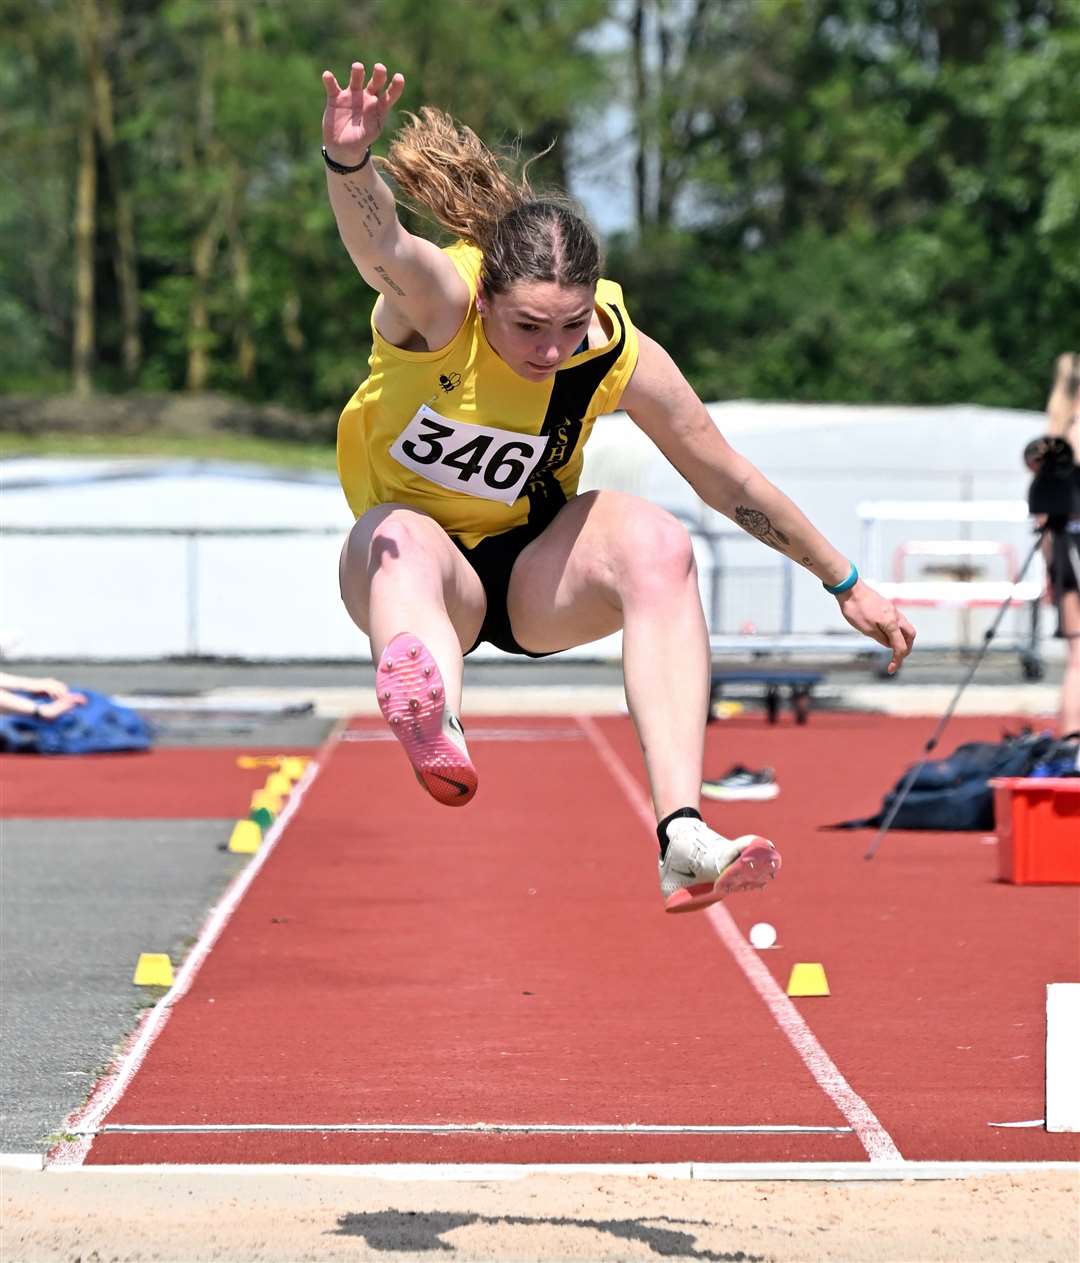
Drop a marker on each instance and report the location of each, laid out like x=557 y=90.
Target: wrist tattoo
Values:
x=756 y=523
x=807 y=563
x=391 y=283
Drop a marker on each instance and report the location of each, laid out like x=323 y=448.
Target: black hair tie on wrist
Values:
x=339 y=169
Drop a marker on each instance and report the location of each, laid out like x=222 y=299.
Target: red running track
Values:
x=397 y=962
x=166 y=784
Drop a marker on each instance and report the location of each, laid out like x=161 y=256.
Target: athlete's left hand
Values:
x=870 y=613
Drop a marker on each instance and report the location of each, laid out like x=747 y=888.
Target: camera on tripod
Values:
x=1055 y=489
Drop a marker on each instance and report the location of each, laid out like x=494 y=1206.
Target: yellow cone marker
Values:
x=272 y=802
x=293 y=768
x=727 y=710
x=278 y=783
x=808 y=979
x=246 y=837
x=153 y=969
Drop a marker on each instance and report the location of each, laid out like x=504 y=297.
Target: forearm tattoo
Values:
x=368 y=207
x=390 y=282
x=756 y=523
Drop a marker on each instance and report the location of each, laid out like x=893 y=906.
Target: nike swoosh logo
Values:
x=455 y=723
x=461 y=789
x=682 y=872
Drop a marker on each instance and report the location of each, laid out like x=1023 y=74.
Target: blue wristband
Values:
x=845 y=585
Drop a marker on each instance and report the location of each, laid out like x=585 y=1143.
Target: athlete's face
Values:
x=536 y=326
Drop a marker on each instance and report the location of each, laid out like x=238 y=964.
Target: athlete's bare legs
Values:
x=611 y=561
x=399 y=571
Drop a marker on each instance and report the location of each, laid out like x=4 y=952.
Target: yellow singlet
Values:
x=457 y=433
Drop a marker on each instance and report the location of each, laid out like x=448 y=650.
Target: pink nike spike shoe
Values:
x=412 y=699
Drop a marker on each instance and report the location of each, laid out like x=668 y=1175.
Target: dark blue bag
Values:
x=97 y=726
x=954 y=793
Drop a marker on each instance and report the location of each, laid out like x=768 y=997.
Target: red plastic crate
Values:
x=1038 y=829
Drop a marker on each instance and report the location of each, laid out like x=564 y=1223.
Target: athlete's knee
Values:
x=392 y=535
x=380 y=539
x=658 y=552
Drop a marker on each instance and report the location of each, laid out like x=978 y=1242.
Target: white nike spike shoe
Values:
x=412 y=698
x=702 y=867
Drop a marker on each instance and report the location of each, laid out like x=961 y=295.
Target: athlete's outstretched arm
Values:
x=421 y=288
x=662 y=403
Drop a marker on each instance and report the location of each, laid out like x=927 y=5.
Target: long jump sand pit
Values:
x=269 y=1217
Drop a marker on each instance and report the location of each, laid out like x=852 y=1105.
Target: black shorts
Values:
x=493 y=560
x=1064 y=564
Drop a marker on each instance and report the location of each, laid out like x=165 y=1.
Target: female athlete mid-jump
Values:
x=460 y=456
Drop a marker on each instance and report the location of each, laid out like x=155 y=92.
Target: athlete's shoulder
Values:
x=609 y=291
x=467 y=259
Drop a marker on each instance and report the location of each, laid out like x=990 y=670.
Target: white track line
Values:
x=456 y=1129
x=486 y=1171
x=877 y=1142
x=85 y=1122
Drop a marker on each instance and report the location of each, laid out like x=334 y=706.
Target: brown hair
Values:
x=447 y=169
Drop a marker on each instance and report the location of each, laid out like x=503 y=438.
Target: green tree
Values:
x=880 y=200
x=204 y=251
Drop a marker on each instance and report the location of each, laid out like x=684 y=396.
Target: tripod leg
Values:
x=930 y=745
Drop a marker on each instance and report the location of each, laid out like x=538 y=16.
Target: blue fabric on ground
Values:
x=97 y=726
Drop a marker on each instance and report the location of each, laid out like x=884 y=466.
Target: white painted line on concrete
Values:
x=22 y=1162
x=877 y=1142
x=1063 y=1056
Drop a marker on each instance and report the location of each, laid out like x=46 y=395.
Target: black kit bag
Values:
x=954 y=793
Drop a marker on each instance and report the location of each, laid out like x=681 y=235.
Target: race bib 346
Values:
x=476 y=459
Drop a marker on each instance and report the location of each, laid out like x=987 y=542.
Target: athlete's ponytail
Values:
x=445 y=168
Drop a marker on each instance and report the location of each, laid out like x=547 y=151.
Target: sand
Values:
x=88 y=1216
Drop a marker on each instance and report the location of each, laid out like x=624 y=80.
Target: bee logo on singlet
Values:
x=449 y=381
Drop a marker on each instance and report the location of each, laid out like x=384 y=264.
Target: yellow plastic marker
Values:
x=278 y=783
x=249 y=761
x=246 y=837
x=727 y=710
x=272 y=802
x=808 y=979
x=293 y=768
x=153 y=969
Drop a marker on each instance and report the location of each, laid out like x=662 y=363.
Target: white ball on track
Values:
x=762 y=934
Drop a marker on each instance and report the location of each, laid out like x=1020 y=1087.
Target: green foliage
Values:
x=840 y=199
x=217 y=110
x=886 y=197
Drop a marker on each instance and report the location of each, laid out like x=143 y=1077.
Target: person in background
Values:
x=460 y=457
x=1062 y=549
x=12 y=701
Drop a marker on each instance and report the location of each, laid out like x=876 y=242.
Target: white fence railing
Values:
x=270 y=593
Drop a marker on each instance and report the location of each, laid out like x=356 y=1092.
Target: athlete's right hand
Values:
x=354 y=115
